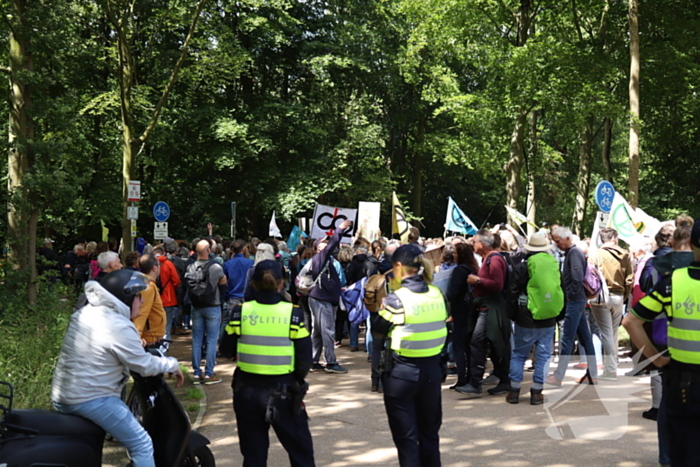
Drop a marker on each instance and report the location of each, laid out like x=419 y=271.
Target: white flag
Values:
x=274 y=230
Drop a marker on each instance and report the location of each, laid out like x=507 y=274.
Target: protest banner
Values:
x=399 y=225
x=274 y=230
x=368 y=220
x=622 y=220
x=328 y=218
x=457 y=221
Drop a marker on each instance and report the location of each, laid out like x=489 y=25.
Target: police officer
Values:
x=413 y=321
x=274 y=357
x=678 y=295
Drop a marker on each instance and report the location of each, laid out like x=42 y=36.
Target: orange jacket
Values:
x=169 y=280
x=151 y=321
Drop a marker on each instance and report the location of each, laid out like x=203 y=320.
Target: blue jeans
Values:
x=113 y=416
x=575 y=323
x=205 y=321
x=524 y=339
x=354 y=335
x=171 y=313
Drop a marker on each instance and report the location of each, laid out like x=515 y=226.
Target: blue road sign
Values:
x=604 y=194
x=161 y=211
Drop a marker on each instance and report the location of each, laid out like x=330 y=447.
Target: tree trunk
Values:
x=584 y=178
x=515 y=164
x=633 y=183
x=607 y=165
x=418 y=167
x=21 y=133
x=531 y=206
x=126 y=81
x=517 y=151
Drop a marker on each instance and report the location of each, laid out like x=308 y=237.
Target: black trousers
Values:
x=461 y=339
x=250 y=404
x=477 y=360
x=413 y=402
x=682 y=417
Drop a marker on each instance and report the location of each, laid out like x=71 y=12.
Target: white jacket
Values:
x=99 y=348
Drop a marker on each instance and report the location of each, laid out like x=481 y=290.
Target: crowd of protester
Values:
x=489 y=278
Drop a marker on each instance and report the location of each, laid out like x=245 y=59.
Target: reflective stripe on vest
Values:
x=684 y=328
x=424 y=330
x=264 y=347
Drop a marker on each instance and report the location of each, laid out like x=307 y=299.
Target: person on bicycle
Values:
x=100 y=345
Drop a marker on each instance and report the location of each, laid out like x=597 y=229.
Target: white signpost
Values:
x=133 y=213
x=134 y=190
x=160 y=230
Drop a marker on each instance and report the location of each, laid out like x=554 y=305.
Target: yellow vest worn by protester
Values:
x=266 y=332
x=684 y=328
x=420 y=331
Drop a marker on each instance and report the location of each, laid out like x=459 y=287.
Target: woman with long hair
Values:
x=459 y=294
x=413 y=319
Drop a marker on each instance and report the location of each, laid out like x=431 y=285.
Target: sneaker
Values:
x=581 y=366
x=500 y=389
x=338 y=345
x=317 y=367
x=197 y=379
x=335 y=368
x=608 y=377
x=651 y=414
x=469 y=390
x=492 y=380
x=354 y=349
x=211 y=380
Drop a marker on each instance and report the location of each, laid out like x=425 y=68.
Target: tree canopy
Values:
x=281 y=104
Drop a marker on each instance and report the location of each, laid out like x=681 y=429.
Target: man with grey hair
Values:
x=492 y=324
x=108 y=261
x=575 y=323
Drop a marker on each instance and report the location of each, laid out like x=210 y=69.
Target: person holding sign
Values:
x=323 y=298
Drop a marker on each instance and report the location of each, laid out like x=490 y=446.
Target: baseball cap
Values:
x=268 y=265
x=408 y=255
x=695 y=234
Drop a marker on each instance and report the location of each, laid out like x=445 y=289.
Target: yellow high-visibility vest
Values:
x=684 y=328
x=423 y=330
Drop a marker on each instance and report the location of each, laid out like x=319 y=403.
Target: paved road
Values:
x=599 y=426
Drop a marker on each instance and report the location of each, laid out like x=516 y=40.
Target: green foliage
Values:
x=282 y=104
x=31 y=338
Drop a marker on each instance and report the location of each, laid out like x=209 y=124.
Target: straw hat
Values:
x=538 y=242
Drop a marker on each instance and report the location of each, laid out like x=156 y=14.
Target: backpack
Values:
x=353 y=298
x=592 y=282
x=545 y=297
x=305 y=281
x=201 y=292
x=510 y=262
x=376 y=291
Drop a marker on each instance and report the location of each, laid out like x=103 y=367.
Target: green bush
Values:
x=31 y=337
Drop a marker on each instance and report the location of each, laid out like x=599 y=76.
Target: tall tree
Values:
x=21 y=215
x=123 y=19
x=633 y=181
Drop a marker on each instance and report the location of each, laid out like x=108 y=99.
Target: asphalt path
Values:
x=579 y=425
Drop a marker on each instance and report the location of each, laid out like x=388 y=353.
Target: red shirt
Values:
x=492 y=275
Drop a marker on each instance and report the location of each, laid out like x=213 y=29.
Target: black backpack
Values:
x=202 y=293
